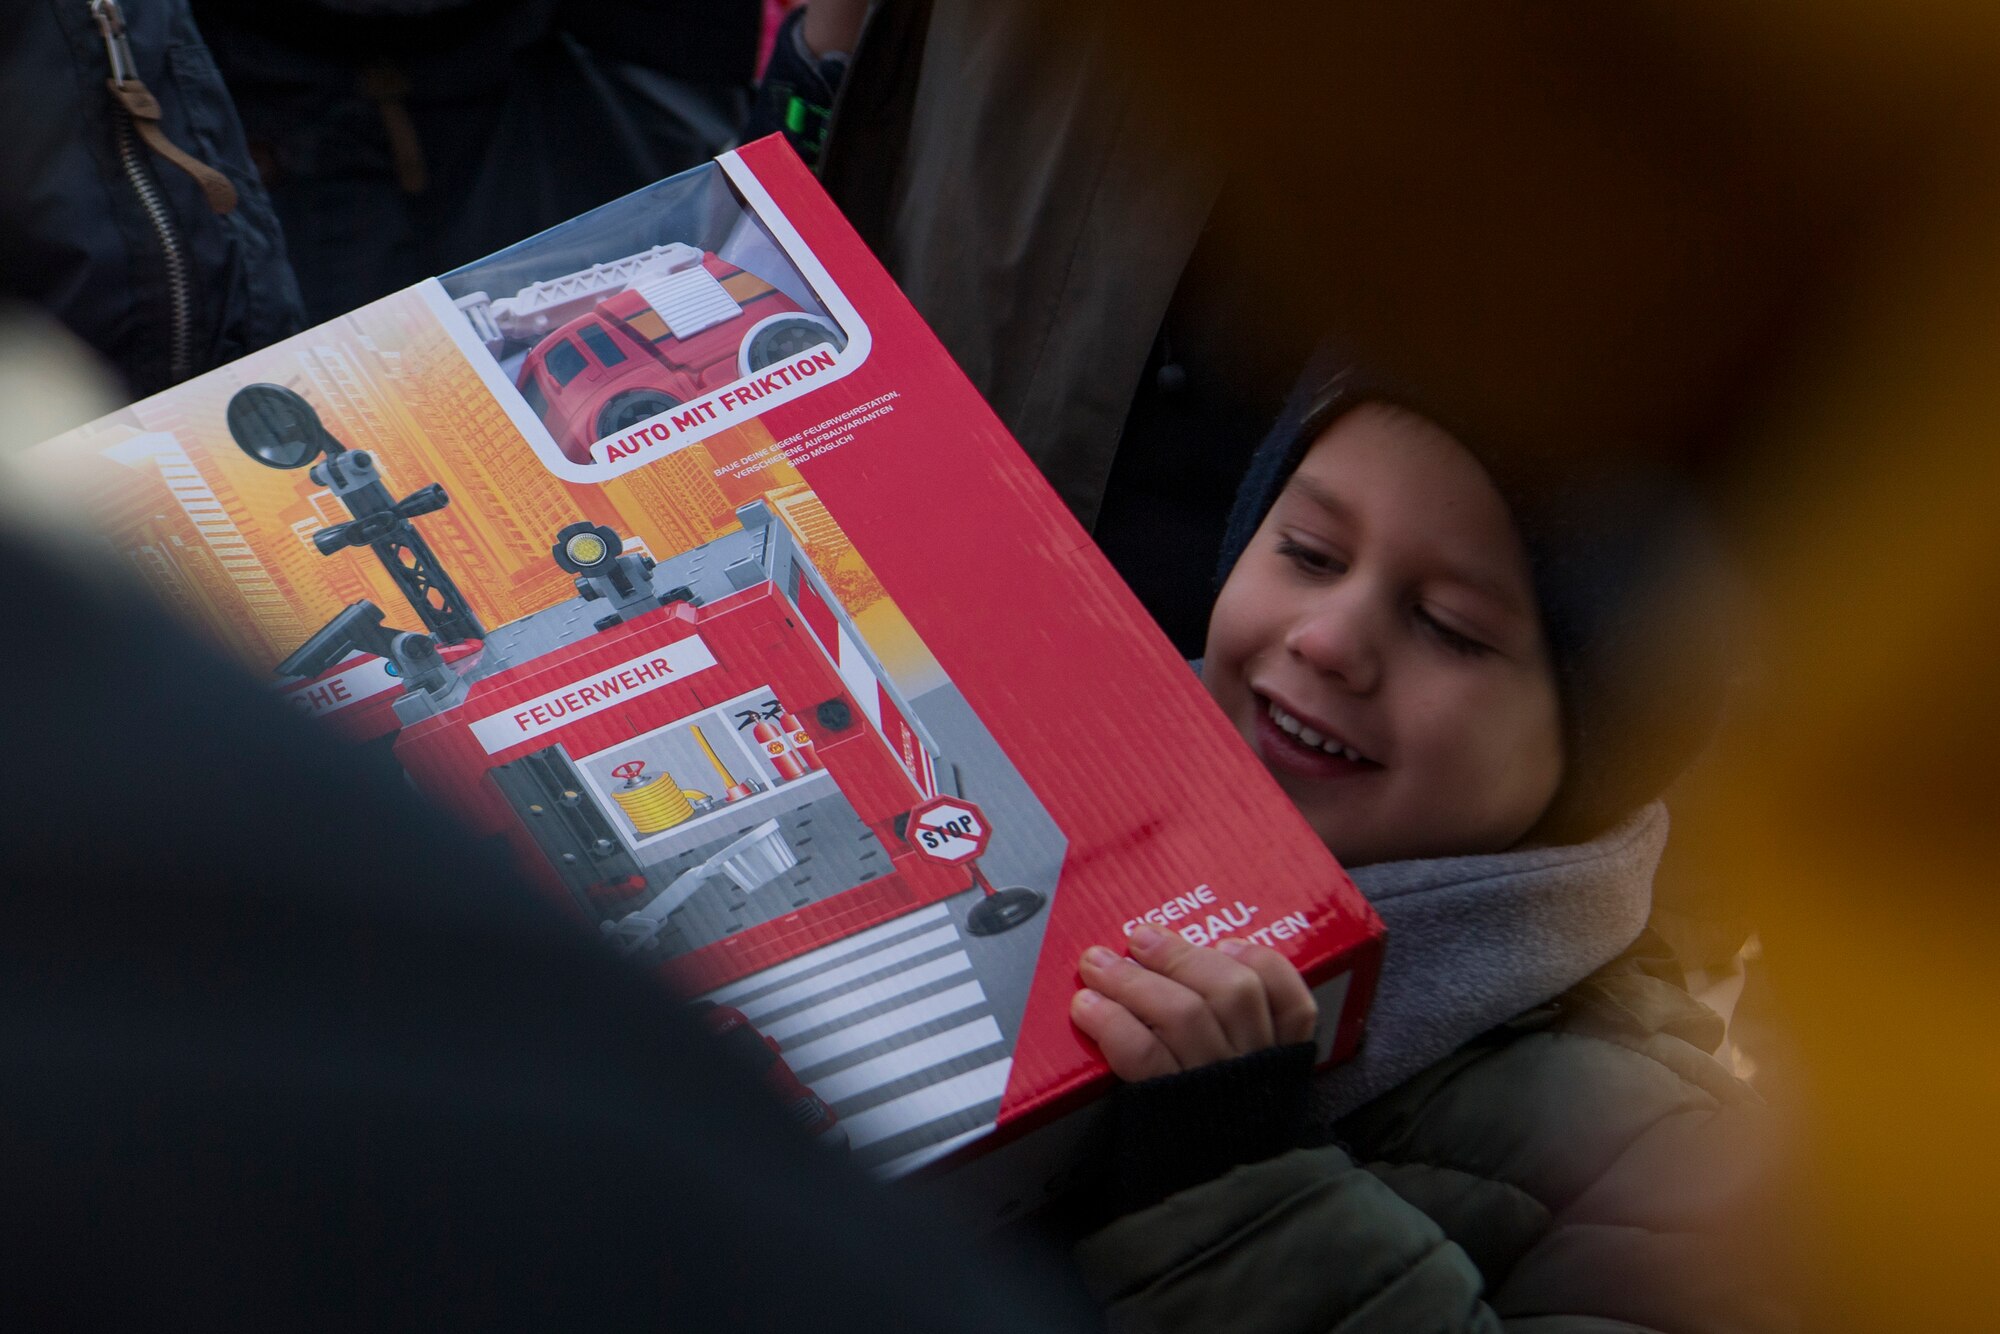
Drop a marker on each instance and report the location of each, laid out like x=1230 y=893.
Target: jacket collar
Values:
x=1474 y=941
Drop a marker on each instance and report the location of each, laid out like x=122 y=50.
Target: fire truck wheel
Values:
x=628 y=409
x=782 y=337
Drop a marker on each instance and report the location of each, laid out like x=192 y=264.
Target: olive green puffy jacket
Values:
x=1581 y=1168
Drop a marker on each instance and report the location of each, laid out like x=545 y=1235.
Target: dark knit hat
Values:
x=1635 y=607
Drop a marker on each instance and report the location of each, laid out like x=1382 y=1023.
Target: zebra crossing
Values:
x=894 y=1030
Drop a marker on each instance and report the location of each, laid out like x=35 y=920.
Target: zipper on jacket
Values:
x=180 y=294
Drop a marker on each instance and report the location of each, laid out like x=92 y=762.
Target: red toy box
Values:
x=669 y=548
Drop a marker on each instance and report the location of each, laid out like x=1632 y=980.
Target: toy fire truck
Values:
x=700 y=753
x=619 y=343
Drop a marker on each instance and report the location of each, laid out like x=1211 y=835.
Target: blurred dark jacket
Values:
x=1585 y=1166
x=108 y=233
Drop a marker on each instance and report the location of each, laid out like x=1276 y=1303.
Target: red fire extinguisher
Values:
x=802 y=742
x=775 y=742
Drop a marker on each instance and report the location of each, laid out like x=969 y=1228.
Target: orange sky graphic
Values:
x=227 y=542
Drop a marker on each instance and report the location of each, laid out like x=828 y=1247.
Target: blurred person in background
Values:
x=400 y=139
x=1090 y=263
x=388 y=141
x=811 y=46
x=132 y=212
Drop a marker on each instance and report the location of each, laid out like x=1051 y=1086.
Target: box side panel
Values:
x=1159 y=799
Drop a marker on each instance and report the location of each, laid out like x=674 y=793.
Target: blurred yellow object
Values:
x=1861 y=796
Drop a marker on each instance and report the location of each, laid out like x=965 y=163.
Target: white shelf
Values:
x=737 y=816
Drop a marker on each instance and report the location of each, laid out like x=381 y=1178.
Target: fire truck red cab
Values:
x=687 y=323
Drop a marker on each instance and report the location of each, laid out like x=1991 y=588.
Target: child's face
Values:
x=1378 y=645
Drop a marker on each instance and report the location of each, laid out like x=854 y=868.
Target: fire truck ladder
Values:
x=545 y=305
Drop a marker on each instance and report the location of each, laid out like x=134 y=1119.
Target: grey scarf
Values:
x=1474 y=941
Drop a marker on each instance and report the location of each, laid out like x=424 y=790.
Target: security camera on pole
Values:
x=954 y=831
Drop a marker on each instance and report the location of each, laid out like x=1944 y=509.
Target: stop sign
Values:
x=949 y=830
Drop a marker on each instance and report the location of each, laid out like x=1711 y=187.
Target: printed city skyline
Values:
x=226 y=542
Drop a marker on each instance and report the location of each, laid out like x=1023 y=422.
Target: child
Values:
x=1474 y=705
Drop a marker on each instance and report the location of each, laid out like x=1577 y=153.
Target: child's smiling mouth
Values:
x=1287 y=742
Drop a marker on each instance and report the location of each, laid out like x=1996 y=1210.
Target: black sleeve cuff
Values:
x=1180 y=1130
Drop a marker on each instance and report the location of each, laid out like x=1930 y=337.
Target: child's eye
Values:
x=1311 y=560
x=1453 y=640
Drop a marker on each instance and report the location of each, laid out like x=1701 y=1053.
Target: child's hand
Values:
x=1172 y=1006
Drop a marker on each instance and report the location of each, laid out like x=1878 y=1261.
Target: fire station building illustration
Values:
x=702 y=755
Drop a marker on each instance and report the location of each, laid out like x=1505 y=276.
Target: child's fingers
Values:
x=1294 y=1012
x=1132 y=1050
x=1178 y=1015
x=1233 y=991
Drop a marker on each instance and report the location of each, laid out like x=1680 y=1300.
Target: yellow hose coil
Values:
x=652 y=805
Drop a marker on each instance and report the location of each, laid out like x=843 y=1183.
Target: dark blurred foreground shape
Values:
x=279 y=1051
